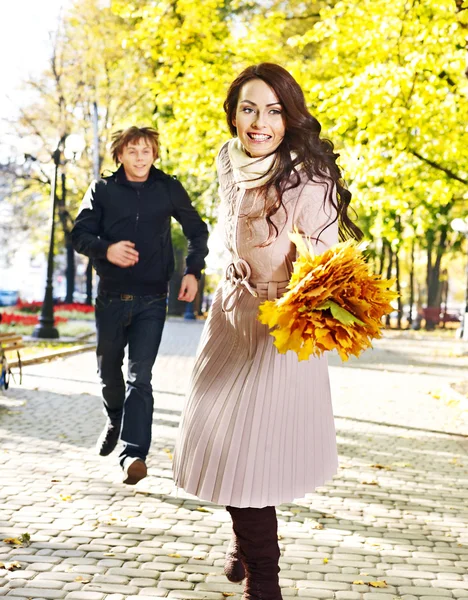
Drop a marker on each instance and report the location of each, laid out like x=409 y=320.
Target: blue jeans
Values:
x=136 y=321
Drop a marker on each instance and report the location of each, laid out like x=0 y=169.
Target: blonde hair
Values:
x=123 y=137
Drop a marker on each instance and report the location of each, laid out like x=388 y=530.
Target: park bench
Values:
x=437 y=315
x=9 y=342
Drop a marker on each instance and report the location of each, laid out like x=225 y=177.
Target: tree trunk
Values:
x=389 y=275
x=433 y=275
x=70 y=275
x=70 y=254
x=411 y=285
x=382 y=257
x=89 y=282
x=176 y=307
x=398 y=287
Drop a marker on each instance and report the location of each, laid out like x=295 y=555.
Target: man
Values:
x=124 y=226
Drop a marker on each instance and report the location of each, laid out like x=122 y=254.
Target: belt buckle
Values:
x=126 y=297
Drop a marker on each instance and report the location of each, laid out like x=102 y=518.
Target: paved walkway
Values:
x=397 y=512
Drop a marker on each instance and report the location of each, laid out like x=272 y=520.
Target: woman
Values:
x=257 y=429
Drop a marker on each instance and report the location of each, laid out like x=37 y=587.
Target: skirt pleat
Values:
x=257 y=428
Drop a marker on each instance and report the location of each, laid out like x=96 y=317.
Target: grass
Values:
x=75 y=315
x=69 y=329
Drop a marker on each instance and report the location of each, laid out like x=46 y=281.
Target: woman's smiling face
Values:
x=259 y=119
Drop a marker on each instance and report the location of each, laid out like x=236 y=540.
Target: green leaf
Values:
x=339 y=313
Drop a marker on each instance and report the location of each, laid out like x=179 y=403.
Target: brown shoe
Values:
x=233 y=567
x=134 y=470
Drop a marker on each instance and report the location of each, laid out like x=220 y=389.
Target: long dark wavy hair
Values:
x=302 y=137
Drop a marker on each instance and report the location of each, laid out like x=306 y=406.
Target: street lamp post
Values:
x=71 y=146
x=46 y=326
x=461 y=226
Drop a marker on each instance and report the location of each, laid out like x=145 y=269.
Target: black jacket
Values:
x=113 y=211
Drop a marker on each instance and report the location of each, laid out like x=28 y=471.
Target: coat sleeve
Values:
x=87 y=228
x=194 y=228
x=316 y=217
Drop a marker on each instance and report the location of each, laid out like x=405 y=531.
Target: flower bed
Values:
x=35 y=307
x=11 y=318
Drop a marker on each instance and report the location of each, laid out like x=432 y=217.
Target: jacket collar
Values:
x=153 y=175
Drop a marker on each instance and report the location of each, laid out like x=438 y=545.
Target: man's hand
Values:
x=188 y=288
x=122 y=254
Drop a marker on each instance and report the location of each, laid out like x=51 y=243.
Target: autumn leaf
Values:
x=12 y=541
x=23 y=540
x=359 y=582
x=202 y=509
x=372 y=482
x=10 y=566
x=333 y=302
x=168 y=452
x=379 y=466
x=82 y=579
x=227 y=594
x=313 y=524
x=378 y=584
x=175 y=555
x=65 y=498
x=108 y=554
x=325 y=561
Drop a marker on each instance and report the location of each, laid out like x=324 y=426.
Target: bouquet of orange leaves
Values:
x=333 y=302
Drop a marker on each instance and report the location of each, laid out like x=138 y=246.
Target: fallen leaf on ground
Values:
x=108 y=554
x=10 y=566
x=14 y=541
x=325 y=561
x=227 y=594
x=174 y=555
x=25 y=539
x=82 y=579
x=359 y=582
x=379 y=466
x=313 y=524
x=372 y=482
x=202 y=509
x=168 y=452
x=378 y=584
x=65 y=498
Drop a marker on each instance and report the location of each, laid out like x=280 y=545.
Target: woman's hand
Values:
x=188 y=288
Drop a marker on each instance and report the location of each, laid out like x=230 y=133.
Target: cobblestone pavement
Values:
x=397 y=512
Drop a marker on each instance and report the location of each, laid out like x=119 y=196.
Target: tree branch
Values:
x=450 y=174
x=303 y=17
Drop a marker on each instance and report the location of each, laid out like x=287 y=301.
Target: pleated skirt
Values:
x=257 y=428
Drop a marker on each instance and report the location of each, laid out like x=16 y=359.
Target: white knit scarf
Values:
x=249 y=172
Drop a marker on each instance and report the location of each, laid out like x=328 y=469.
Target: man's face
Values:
x=137 y=158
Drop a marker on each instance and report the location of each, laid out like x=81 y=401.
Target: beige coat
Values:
x=257 y=428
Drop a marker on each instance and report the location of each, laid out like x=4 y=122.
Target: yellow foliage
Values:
x=333 y=302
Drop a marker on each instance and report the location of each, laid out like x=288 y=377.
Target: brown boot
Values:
x=256 y=530
x=233 y=567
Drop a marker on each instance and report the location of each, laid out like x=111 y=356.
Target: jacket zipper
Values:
x=138 y=211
